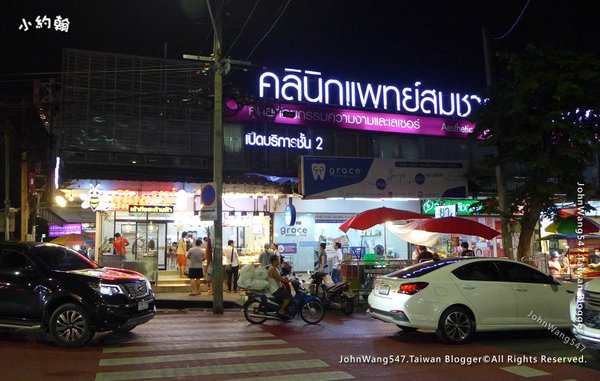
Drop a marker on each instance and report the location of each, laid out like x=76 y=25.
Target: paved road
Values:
x=199 y=345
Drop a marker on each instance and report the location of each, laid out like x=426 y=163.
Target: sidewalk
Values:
x=179 y=300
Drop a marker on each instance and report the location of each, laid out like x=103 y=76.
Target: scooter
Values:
x=337 y=297
x=262 y=306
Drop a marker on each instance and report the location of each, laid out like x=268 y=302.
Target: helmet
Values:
x=286 y=268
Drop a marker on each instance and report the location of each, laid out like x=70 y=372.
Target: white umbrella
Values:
x=418 y=237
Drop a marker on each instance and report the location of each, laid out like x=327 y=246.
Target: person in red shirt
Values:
x=210 y=269
x=120 y=245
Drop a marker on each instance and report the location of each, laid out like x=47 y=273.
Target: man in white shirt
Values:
x=231 y=264
x=338 y=257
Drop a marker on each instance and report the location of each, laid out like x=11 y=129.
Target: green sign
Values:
x=463 y=207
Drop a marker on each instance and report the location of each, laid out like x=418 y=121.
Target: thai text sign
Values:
x=150 y=209
x=55 y=230
x=309 y=87
x=304 y=115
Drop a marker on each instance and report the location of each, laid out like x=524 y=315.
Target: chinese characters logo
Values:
x=60 y=24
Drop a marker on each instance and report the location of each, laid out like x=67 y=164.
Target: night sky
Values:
x=398 y=41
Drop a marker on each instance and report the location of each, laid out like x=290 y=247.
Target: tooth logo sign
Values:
x=318 y=171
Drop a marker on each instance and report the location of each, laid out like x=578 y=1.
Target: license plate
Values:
x=384 y=290
x=142 y=306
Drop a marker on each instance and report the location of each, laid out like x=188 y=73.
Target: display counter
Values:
x=147 y=265
x=360 y=273
x=110 y=260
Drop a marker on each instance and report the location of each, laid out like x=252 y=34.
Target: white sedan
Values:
x=458 y=296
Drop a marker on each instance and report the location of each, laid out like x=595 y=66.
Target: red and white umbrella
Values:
x=372 y=217
x=453 y=225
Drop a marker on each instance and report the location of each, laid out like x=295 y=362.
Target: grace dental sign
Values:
x=309 y=87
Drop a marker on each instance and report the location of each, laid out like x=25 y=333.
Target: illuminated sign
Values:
x=309 y=87
x=463 y=207
x=304 y=115
x=55 y=230
x=276 y=141
x=122 y=199
x=150 y=209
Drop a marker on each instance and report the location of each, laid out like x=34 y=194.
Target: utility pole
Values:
x=217 y=157
x=6 y=184
x=500 y=184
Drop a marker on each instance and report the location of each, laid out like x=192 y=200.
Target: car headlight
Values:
x=148 y=285
x=106 y=289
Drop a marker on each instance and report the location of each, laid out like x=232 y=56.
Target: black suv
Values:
x=55 y=289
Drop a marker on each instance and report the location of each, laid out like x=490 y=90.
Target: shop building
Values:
x=139 y=129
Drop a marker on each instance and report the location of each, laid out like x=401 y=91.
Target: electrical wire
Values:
x=514 y=24
x=243 y=27
x=268 y=31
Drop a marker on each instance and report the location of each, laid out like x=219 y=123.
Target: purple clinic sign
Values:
x=55 y=230
x=302 y=115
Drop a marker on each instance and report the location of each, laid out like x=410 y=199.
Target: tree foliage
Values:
x=543 y=117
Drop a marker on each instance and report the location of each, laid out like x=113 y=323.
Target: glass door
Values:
x=152 y=241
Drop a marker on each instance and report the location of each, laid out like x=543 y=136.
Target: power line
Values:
x=268 y=31
x=514 y=24
x=243 y=27
x=167 y=68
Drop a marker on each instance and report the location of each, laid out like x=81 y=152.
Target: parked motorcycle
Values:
x=337 y=296
x=262 y=306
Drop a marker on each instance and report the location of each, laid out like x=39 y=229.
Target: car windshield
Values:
x=62 y=258
x=423 y=268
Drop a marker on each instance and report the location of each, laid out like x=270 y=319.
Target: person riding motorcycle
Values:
x=277 y=286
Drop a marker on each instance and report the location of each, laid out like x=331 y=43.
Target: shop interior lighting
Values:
x=60 y=201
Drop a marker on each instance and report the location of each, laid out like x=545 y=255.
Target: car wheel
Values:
x=70 y=325
x=456 y=326
x=406 y=329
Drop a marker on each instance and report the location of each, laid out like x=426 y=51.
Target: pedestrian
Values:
x=424 y=254
x=321 y=262
x=466 y=252
x=195 y=255
x=234 y=265
x=120 y=243
x=181 y=253
x=210 y=265
x=338 y=256
x=554 y=266
x=276 y=251
x=264 y=257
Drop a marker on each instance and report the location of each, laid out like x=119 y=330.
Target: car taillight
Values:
x=412 y=288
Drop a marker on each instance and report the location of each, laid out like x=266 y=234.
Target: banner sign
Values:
x=463 y=207
x=55 y=230
x=305 y=115
x=324 y=177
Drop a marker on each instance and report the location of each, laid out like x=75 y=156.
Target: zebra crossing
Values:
x=200 y=345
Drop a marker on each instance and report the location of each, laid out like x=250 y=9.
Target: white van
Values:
x=585 y=316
